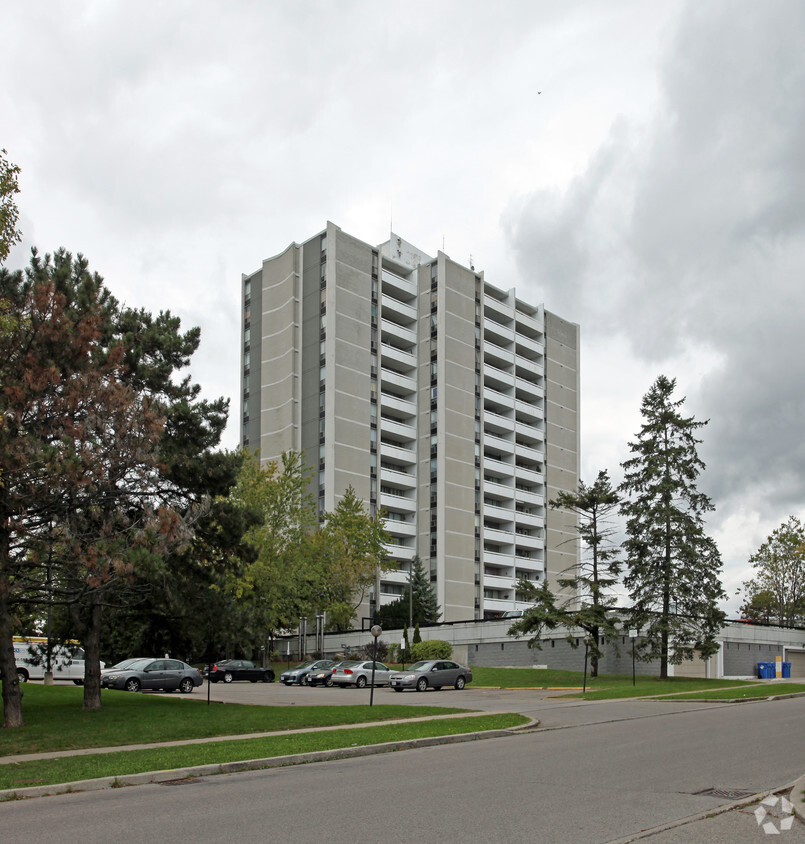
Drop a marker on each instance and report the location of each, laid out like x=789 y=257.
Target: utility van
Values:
x=66 y=660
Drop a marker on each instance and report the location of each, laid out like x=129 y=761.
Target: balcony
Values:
x=405 y=337
x=529 y=392
x=397 y=454
x=528 y=543
x=405 y=529
x=399 y=385
x=505 y=515
x=401 y=360
x=397 y=430
x=530 y=521
x=497 y=468
x=497 y=333
x=502 y=538
x=528 y=347
x=498 y=446
x=498 y=379
x=500 y=311
x=529 y=369
x=497 y=356
x=401 y=407
x=397 y=286
x=504 y=493
x=532 y=499
x=397 y=503
x=496 y=401
x=401 y=480
x=497 y=423
x=529 y=454
x=398 y=312
x=503 y=583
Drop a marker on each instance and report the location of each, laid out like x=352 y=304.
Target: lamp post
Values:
x=633 y=636
x=586 y=649
x=375 y=631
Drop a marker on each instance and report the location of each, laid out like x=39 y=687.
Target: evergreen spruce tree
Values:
x=589 y=603
x=417 y=638
x=673 y=566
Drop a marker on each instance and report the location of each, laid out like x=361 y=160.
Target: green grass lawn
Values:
x=55 y=721
x=73 y=768
x=604 y=687
x=758 y=690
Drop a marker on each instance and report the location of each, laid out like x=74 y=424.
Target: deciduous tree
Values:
x=673 y=566
x=779 y=582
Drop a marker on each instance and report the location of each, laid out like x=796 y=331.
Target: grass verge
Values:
x=755 y=691
x=55 y=721
x=604 y=687
x=121 y=763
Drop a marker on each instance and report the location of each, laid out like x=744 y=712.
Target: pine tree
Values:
x=673 y=566
x=417 y=637
x=589 y=605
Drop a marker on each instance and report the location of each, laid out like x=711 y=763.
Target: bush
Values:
x=382 y=650
x=432 y=649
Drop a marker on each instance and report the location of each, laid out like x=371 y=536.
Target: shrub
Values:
x=431 y=649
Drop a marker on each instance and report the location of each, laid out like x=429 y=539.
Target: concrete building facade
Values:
x=448 y=402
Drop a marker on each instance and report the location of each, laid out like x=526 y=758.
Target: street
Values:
x=594 y=772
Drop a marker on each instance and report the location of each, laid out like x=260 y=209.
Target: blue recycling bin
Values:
x=765 y=670
x=786 y=669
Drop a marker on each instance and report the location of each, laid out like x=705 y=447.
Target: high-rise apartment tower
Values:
x=447 y=402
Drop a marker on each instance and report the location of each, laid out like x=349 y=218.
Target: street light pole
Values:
x=375 y=631
x=633 y=637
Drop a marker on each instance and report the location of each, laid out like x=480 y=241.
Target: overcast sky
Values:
x=638 y=167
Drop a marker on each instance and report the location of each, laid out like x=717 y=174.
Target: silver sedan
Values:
x=358 y=673
x=431 y=673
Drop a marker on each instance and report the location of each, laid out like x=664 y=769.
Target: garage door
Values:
x=697 y=667
x=797 y=660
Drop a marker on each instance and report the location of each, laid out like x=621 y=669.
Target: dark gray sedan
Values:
x=431 y=673
x=165 y=674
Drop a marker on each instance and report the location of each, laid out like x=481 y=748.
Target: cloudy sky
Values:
x=638 y=167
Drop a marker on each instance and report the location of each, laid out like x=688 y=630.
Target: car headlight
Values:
x=409 y=676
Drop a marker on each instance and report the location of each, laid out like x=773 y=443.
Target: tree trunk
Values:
x=12 y=693
x=92 y=655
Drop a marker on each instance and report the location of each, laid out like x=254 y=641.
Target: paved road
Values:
x=597 y=772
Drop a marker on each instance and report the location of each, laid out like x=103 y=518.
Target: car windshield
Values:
x=126 y=663
x=421 y=666
x=348 y=664
x=304 y=664
x=137 y=664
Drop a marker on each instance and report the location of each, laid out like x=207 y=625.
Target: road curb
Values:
x=176 y=774
x=796 y=798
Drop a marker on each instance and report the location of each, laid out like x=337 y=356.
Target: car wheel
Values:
x=132 y=685
x=186 y=686
x=22 y=676
x=227 y=676
x=329 y=682
x=253 y=680
x=288 y=682
x=421 y=684
x=460 y=683
x=79 y=682
x=361 y=682
x=268 y=677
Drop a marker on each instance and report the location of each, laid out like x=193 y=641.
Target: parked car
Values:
x=431 y=673
x=227 y=670
x=298 y=674
x=513 y=614
x=167 y=674
x=321 y=676
x=358 y=673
